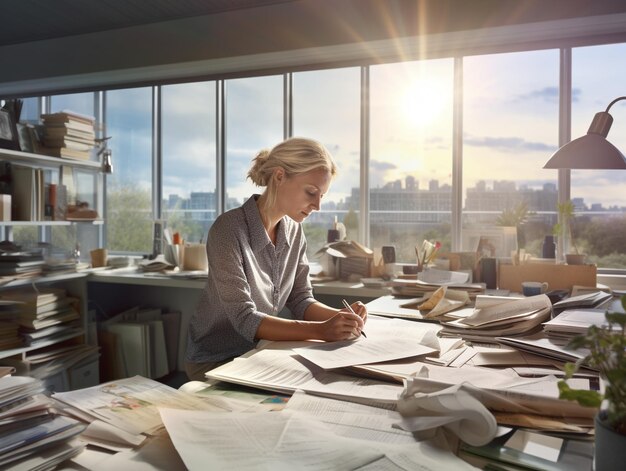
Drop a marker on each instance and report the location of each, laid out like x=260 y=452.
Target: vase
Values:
x=610 y=447
x=548 y=249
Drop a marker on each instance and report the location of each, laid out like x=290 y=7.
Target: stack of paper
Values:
x=492 y=317
x=20 y=264
x=429 y=282
x=44 y=315
x=159 y=263
x=572 y=322
x=585 y=300
x=28 y=426
x=540 y=344
x=48 y=361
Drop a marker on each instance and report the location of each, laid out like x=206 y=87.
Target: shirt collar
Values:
x=258 y=236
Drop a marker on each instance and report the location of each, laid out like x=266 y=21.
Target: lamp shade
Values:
x=591 y=151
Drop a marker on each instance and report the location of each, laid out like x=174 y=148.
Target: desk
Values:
x=112 y=291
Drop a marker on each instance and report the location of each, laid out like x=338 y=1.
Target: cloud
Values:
x=508 y=144
x=548 y=94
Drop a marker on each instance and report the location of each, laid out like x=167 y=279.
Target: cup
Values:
x=533 y=288
x=195 y=257
x=98 y=258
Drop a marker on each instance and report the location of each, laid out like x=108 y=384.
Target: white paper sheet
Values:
x=130 y=403
x=260 y=441
x=280 y=370
x=365 y=350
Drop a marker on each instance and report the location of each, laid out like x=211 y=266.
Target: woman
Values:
x=258 y=264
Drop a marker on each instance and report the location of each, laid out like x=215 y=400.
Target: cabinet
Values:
x=83 y=180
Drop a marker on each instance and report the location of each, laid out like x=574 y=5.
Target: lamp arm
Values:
x=614 y=101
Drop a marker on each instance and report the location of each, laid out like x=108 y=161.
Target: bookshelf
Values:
x=69 y=172
x=62 y=377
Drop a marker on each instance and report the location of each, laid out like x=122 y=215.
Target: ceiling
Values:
x=34 y=20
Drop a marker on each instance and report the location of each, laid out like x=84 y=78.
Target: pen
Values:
x=349 y=308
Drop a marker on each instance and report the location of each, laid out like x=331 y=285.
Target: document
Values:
x=284 y=371
x=246 y=441
x=361 y=351
x=130 y=403
x=364 y=421
x=513 y=309
x=292 y=440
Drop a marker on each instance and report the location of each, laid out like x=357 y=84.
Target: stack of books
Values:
x=69 y=135
x=20 y=265
x=32 y=434
x=44 y=315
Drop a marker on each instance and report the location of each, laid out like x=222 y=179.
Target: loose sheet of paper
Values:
x=366 y=350
x=130 y=403
x=252 y=441
x=283 y=371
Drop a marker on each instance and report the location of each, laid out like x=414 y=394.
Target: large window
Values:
x=254 y=121
x=598 y=195
x=510 y=129
x=129 y=215
x=411 y=154
x=188 y=149
x=508 y=106
x=326 y=108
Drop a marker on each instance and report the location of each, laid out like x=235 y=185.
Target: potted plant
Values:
x=564 y=228
x=607 y=354
x=515 y=217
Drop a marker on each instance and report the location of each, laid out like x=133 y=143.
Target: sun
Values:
x=423 y=101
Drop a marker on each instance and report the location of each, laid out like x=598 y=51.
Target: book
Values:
x=67 y=116
x=34 y=299
x=24 y=193
x=69 y=129
x=134 y=339
x=67 y=153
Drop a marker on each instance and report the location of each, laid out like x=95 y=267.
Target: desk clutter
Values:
x=406 y=397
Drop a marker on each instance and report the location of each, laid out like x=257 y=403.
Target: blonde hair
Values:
x=295 y=156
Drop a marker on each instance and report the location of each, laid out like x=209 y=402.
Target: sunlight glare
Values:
x=423 y=101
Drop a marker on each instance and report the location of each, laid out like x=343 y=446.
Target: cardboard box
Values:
x=557 y=276
x=349 y=259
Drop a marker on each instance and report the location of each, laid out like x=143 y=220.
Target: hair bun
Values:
x=256 y=173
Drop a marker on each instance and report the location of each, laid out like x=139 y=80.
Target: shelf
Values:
x=97 y=222
x=18 y=351
x=46 y=160
x=44 y=279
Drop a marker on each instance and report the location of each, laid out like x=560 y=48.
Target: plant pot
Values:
x=575 y=258
x=610 y=449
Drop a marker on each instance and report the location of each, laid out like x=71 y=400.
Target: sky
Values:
x=510 y=123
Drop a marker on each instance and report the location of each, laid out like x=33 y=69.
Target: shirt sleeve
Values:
x=224 y=250
x=301 y=296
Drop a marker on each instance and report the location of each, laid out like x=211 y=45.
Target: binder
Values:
x=134 y=339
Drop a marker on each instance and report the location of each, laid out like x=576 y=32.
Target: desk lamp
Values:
x=591 y=151
x=104 y=153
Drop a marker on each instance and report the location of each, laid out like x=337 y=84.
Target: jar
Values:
x=548 y=249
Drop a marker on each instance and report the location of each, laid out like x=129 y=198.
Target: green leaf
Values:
x=583 y=397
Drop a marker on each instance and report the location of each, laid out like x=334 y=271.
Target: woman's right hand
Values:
x=342 y=326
